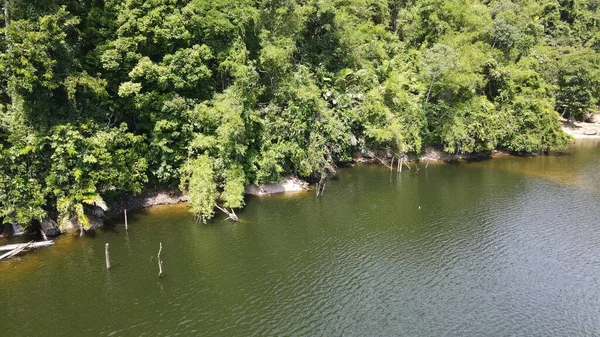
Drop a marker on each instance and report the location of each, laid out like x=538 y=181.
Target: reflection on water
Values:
x=564 y=167
x=505 y=247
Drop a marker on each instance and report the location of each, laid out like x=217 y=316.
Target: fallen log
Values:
x=21 y=247
x=38 y=244
x=231 y=214
x=16 y=251
x=160 y=270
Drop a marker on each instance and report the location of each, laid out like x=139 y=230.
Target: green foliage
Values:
x=578 y=83
x=21 y=191
x=472 y=127
x=86 y=163
x=104 y=97
x=233 y=189
x=198 y=180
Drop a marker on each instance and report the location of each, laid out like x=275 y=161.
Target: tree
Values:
x=198 y=180
x=99 y=98
x=578 y=83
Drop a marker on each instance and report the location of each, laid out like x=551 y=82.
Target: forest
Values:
x=101 y=98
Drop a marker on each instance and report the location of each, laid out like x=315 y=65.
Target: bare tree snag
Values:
x=321 y=188
x=107 y=256
x=231 y=214
x=160 y=270
x=6 y=20
x=43 y=235
x=383 y=162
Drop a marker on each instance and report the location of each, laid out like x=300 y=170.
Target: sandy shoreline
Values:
x=581 y=130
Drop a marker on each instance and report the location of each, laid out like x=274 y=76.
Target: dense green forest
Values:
x=104 y=97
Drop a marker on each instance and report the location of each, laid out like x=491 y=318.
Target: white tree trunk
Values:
x=6 y=19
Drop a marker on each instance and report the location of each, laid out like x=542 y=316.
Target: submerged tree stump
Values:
x=107 y=256
x=160 y=270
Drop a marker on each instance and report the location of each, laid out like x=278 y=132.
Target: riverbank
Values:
x=171 y=195
x=582 y=130
x=148 y=198
x=428 y=154
x=289 y=184
x=158 y=196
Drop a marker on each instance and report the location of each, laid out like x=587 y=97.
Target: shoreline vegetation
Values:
x=161 y=196
x=179 y=100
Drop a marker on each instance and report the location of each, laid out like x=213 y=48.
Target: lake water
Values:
x=503 y=247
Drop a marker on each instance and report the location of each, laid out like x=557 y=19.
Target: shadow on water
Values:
x=576 y=167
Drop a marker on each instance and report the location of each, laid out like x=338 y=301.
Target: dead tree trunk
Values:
x=6 y=20
x=321 y=184
x=383 y=162
x=160 y=270
x=17 y=250
x=107 y=256
x=321 y=188
x=9 y=88
x=231 y=214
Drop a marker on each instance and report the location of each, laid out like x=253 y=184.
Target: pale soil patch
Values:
x=581 y=130
x=289 y=184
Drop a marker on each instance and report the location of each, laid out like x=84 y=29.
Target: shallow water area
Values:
x=502 y=247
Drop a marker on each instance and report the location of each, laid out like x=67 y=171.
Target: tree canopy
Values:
x=103 y=97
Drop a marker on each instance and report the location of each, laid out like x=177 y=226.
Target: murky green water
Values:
x=507 y=247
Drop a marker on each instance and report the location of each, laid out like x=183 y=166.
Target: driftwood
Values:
x=16 y=249
x=43 y=235
x=33 y=245
x=160 y=270
x=231 y=214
